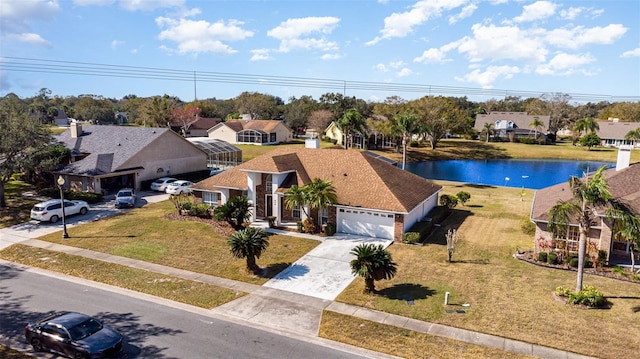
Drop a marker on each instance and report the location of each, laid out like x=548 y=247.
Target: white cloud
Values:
x=396 y=64
x=261 y=55
x=200 y=36
x=116 y=43
x=331 y=56
x=30 y=38
x=93 y=2
x=381 y=67
x=503 y=42
x=391 y=65
x=571 y=13
x=565 y=64
x=18 y=15
x=536 y=11
x=486 y=78
x=463 y=14
x=305 y=33
x=631 y=53
x=404 y=72
x=133 y=51
x=148 y=5
x=402 y=24
x=579 y=36
x=432 y=56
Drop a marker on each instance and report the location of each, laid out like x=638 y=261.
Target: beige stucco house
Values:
x=375 y=198
x=511 y=125
x=612 y=133
x=104 y=158
x=254 y=132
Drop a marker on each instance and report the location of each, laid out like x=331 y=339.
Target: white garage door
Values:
x=366 y=223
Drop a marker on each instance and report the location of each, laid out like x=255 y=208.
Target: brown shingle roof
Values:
x=261 y=125
x=359 y=180
x=615 y=130
x=623 y=184
x=205 y=123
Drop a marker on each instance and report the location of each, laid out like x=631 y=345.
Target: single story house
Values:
x=200 y=126
x=253 y=132
x=374 y=140
x=375 y=198
x=105 y=158
x=623 y=183
x=508 y=126
x=612 y=133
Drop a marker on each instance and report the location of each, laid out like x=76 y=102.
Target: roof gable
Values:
x=520 y=119
x=615 y=130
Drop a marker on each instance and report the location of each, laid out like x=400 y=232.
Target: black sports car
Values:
x=74 y=335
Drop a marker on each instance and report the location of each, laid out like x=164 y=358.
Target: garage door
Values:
x=365 y=223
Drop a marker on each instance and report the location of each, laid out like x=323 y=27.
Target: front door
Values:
x=269 y=205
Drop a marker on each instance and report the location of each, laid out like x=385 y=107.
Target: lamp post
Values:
x=64 y=216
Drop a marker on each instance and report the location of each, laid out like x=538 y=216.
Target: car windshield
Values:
x=85 y=329
x=124 y=194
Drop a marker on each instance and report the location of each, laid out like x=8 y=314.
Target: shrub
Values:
x=562 y=291
x=620 y=270
x=602 y=258
x=199 y=210
x=181 y=201
x=448 y=201
x=463 y=197
x=308 y=226
x=272 y=221
x=573 y=262
x=330 y=229
x=527 y=140
x=89 y=197
x=589 y=296
x=411 y=237
x=542 y=257
x=552 y=258
x=528 y=227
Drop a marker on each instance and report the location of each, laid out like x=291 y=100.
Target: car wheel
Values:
x=83 y=210
x=53 y=219
x=36 y=344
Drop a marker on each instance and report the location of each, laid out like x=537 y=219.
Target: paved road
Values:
x=154 y=329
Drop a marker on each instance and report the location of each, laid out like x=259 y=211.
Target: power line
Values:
x=20 y=64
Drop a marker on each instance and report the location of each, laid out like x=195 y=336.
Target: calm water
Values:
x=534 y=174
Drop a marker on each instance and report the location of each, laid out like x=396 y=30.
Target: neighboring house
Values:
x=508 y=126
x=613 y=132
x=200 y=126
x=624 y=184
x=375 y=198
x=254 y=132
x=375 y=140
x=121 y=118
x=61 y=119
x=105 y=158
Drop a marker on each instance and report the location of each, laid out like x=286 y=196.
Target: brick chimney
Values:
x=76 y=129
x=624 y=157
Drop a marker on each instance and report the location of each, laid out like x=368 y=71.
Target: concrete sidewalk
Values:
x=298 y=313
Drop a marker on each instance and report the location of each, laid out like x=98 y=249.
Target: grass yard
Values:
x=186 y=291
x=401 y=342
x=507 y=297
x=144 y=234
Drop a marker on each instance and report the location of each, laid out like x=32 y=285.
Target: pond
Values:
x=535 y=174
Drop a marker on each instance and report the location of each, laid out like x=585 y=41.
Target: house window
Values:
x=570 y=241
x=210 y=198
x=272 y=137
x=323 y=213
x=269 y=184
x=295 y=212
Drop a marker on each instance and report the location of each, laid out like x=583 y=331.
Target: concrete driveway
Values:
x=325 y=271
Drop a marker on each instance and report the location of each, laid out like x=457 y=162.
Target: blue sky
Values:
x=365 y=48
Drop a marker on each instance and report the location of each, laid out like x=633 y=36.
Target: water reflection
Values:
x=534 y=174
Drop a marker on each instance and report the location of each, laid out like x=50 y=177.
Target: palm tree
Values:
x=589 y=197
x=633 y=135
x=488 y=128
x=405 y=126
x=629 y=229
x=249 y=243
x=351 y=121
x=586 y=124
x=536 y=124
x=372 y=263
x=317 y=194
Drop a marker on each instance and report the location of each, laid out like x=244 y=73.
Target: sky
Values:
x=370 y=49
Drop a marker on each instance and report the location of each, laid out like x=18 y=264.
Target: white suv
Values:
x=52 y=210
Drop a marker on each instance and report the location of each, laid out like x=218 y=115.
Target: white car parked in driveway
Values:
x=51 y=210
x=161 y=183
x=179 y=187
